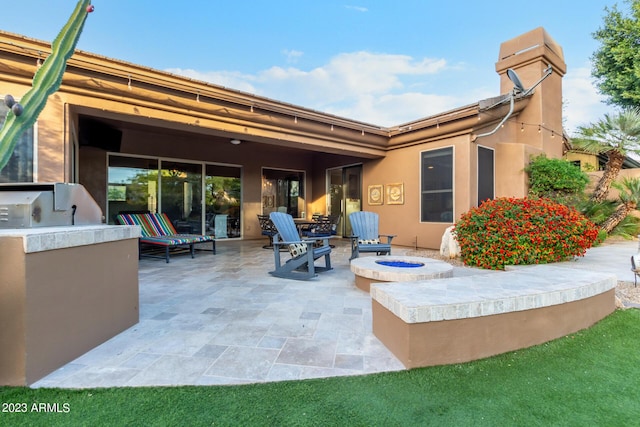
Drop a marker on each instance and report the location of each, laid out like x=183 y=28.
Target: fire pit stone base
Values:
x=371 y=269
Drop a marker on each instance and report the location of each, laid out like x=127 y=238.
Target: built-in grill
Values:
x=28 y=205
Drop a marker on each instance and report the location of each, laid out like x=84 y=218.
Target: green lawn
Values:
x=591 y=378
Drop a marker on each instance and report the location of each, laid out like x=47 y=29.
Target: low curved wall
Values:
x=462 y=319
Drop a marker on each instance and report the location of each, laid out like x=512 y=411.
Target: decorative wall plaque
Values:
x=395 y=194
x=376 y=196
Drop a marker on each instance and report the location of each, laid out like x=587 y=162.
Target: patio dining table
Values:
x=303 y=224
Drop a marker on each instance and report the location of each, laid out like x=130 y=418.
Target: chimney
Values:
x=529 y=55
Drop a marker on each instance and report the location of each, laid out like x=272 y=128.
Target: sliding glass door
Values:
x=132 y=186
x=182 y=190
x=222 y=201
x=181 y=195
x=344 y=195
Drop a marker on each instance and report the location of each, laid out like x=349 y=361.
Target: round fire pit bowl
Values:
x=397 y=269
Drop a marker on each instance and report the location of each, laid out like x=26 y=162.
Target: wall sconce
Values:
x=235 y=141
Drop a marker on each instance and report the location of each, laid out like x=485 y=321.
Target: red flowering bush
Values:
x=510 y=231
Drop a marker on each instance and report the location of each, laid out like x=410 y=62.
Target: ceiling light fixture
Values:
x=235 y=141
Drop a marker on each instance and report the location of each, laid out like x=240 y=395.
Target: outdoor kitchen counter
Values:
x=63 y=291
x=49 y=238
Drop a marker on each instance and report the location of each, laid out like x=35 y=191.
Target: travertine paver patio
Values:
x=224 y=320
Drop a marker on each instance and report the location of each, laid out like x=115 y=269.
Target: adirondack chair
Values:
x=365 y=236
x=304 y=252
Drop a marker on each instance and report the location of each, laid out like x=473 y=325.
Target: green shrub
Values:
x=510 y=231
x=556 y=179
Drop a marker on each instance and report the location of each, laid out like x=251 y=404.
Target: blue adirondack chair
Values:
x=365 y=236
x=304 y=252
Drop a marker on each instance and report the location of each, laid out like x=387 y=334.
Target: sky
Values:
x=383 y=62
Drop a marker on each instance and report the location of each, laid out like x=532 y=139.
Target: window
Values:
x=437 y=185
x=20 y=166
x=485 y=174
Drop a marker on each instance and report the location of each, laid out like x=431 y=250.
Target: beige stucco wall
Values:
x=403 y=166
x=588 y=162
x=57 y=304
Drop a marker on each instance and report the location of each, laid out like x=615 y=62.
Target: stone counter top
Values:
x=49 y=238
x=488 y=294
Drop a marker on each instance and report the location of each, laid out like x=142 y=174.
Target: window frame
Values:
x=493 y=173
x=451 y=153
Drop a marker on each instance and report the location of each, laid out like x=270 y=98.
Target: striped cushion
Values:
x=169 y=240
x=156 y=228
x=151 y=225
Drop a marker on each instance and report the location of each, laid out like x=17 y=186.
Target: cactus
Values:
x=46 y=81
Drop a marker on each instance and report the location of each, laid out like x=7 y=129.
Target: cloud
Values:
x=347 y=75
x=394 y=109
x=374 y=88
x=582 y=102
x=292 y=55
x=356 y=8
x=377 y=88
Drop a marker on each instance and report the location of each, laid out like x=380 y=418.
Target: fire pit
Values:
x=400 y=264
x=397 y=269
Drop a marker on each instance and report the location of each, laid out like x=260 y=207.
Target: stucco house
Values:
x=214 y=158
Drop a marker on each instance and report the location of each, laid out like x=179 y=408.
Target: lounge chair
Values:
x=365 y=236
x=157 y=230
x=303 y=251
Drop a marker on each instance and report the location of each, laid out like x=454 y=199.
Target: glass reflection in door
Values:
x=345 y=195
x=283 y=191
x=132 y=186
x=222 y=201
x=181 y=195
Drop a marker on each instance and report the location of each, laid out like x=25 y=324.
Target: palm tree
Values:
x=614 y=136
x=629 y=198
